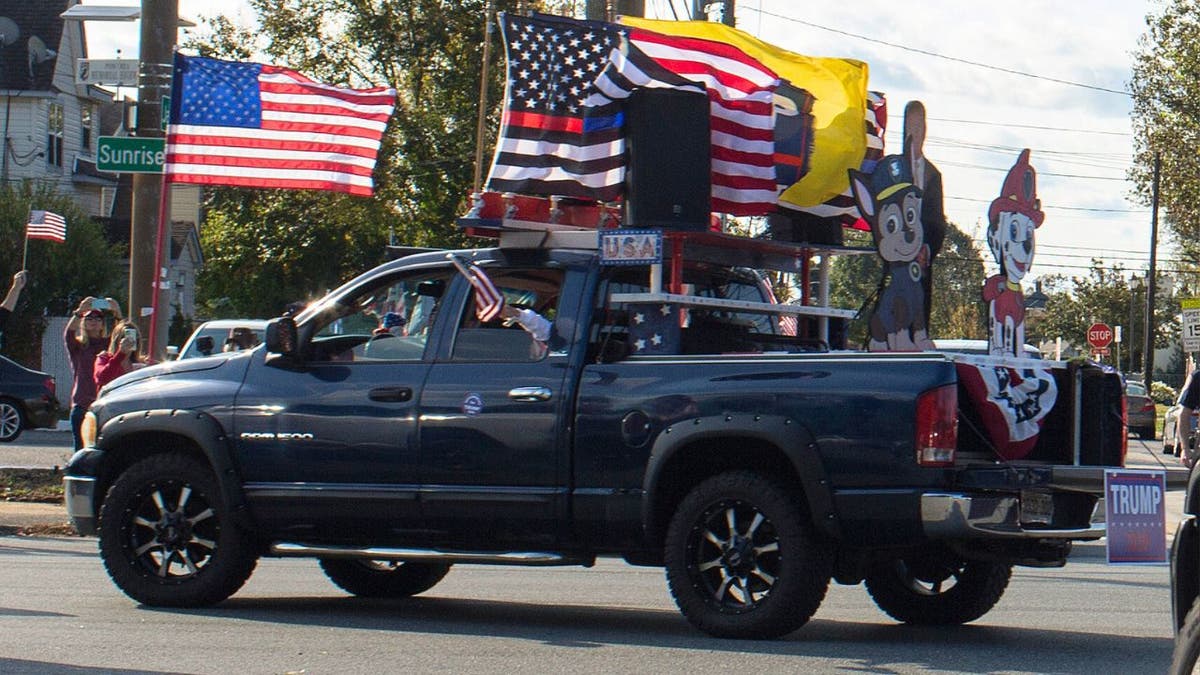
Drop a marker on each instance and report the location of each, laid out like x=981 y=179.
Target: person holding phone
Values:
x=121 y=356
x=85 y=336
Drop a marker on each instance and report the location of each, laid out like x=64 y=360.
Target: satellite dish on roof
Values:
x=9 y=32
x=38 y=53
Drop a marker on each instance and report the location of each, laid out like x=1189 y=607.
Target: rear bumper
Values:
x=41 y=414
x=958 y=516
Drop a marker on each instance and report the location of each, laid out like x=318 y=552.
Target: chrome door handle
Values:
x=530 y=393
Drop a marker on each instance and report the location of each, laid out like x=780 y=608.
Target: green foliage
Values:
x=1165 y=85
x=60 y=275
x=1163 y=393
x=1104 y=295
x=957 y=310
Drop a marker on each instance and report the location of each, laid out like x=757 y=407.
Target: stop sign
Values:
x=1099 y=335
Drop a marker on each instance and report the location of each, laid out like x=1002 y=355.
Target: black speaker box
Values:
x=668 y=181
x=799 y=227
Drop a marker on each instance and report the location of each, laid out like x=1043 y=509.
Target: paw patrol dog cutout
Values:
x=891 y=203
x=1013 y=217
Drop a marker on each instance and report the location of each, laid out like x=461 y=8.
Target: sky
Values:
x=953 y=56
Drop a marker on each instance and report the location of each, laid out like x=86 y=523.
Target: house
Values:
x=51 y=127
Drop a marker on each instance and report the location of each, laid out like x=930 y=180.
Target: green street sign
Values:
x=127 y=154
x=165 y=112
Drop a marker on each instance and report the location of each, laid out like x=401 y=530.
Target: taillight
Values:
x=937 y=426
x=48 y=383
x=1148 y=406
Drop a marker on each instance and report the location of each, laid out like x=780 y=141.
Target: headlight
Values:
x=87 y=429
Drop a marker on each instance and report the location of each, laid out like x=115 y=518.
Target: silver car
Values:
x=1140 y=414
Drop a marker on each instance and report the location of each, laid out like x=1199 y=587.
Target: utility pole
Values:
x=160 y=20
x=1151 y=280
x=597 y=10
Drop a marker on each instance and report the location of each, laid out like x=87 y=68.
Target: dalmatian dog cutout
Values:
x=1013 y=218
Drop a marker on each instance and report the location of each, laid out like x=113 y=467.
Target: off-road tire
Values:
x=1187 y=644
x=912 y=590
x=167 y=537
x=12 y=420
x=742 y=560
x=383 y=579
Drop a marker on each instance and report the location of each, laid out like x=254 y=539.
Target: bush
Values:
x=1163 y=393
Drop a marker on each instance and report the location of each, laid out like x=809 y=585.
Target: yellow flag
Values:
x=838 y=85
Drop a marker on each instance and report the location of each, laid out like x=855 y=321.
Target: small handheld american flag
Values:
x=489 y=301
x=46 y=225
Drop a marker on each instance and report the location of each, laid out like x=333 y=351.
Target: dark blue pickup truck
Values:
x=754 y=466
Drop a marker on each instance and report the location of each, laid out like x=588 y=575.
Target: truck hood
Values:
x=172 y=369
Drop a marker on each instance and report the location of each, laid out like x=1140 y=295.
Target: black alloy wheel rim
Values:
x=171 y=530
x=733 y=554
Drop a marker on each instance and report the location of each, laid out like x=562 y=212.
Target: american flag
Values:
x=46 y=225
x=740 y=93
x=550 y=142
x=489 y=301
x=254 y=125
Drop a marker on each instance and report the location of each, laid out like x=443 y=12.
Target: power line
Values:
x=1060 y=208
x=937 y=55
x=964 y=165
x=1028 y=126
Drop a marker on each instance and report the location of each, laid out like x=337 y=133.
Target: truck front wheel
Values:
x=383 y=578
x=937 y=590
x=742 y=560
x=166 y=536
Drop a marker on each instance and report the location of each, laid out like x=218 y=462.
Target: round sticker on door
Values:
x=472 y=404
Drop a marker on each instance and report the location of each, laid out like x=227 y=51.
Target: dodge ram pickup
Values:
x=702 y=436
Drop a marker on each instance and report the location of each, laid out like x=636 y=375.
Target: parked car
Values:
x=210 y=337
x=1140 y=414
x=1170 y=421
x=26 y=400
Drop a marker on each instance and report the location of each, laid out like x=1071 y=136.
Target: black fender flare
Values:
x=198 y=427
x=792 y=438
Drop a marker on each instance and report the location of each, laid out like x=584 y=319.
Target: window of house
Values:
x=54 y=135
x=85 y=124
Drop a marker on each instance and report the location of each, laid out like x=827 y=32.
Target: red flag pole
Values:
x=164 y=197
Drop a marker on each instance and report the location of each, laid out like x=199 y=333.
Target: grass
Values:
x=31 y=485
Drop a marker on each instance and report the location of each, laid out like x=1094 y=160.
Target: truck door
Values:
x=494 y=414
x=334 y=440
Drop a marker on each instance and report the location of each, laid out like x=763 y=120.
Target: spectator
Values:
x=121 y=356
x=84 y=338
x=10 y=302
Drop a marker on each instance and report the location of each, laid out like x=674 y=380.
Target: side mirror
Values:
x=204 y=345
x=281 y=339
x=172 y=352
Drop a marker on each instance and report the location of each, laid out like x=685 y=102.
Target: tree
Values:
x=60 y=275
x=1165 y=86
x=1103 y=295
x=957 y=310
x=257 y=242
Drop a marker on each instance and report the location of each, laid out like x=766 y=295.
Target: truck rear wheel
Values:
x=742 y=560
x=166 y=536
x=383 y=578
x=937 y=590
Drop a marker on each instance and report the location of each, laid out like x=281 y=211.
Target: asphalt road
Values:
x=60 y=613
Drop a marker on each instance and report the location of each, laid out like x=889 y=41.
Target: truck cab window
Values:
x=524 y=331
x=386 y=321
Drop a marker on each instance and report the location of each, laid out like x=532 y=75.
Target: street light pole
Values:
x=160 y=19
